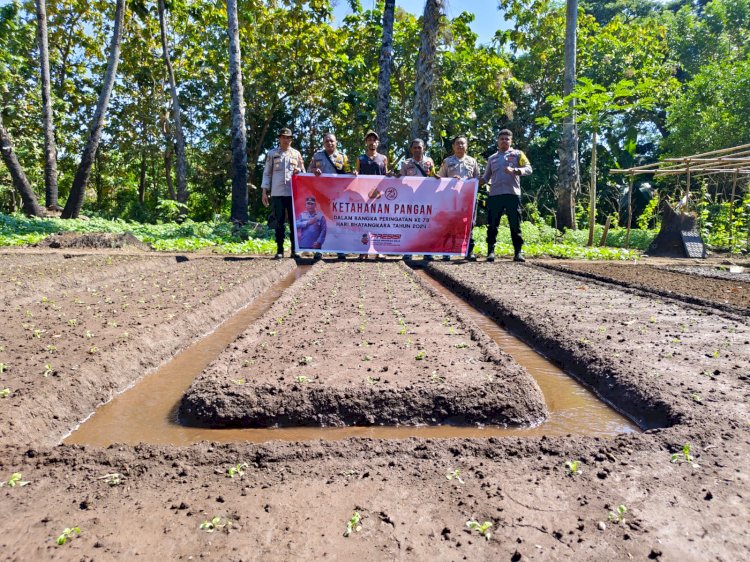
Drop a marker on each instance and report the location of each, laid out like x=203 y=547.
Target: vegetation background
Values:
x=688 y=62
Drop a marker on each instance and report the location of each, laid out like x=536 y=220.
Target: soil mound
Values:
x=362 y=345
x=97 y=240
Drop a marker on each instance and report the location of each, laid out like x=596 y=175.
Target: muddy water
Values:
x=147 y=412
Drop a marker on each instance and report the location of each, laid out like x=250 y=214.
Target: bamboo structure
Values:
x=734 y=160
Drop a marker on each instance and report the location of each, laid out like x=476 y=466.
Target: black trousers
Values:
x=280 y=206
x=511 y=206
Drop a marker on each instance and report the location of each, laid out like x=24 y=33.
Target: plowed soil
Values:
x=680 y=369
x=363 y=344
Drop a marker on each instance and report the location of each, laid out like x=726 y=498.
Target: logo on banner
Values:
x=366 y=239
x=391 y=193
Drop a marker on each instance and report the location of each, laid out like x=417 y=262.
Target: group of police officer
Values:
x=503 y=172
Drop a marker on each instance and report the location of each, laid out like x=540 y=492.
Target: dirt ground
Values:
x=679 y=367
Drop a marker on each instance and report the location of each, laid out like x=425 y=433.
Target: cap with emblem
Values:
x=285 y=132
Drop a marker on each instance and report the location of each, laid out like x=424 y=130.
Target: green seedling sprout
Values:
x=72 y=322
x=93 y=349
x=353 y=524
x=437 y=378
x=216 y=524
x=14 y=481
x=306 y=360
x=366 y=358
x=114 y=479
x=572 y=468
x=420 y=355
x=89 y=334
x=619 y=515
x=237 y=470
x=454 y=475
x=39 y=333
x=238 y=381
x=482 y=528
x=67 y=535
x=3 y=367
x=685 y=456
x=48 y=370
x=302 y=379
x=373 y=380
x=5 y=392
x=461 y=345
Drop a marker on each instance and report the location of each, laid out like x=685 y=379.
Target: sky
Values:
x=488 y=19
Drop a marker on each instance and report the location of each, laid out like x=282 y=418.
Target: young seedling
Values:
x=572 y=468
x=15 y=481
x=619 y=515
x=67 y=535
x=353 y=524
x=454 y=475
x=461 y=345
x=5 y=392
x=216 y=524
x=373 y=380
x=302 y=379
x=306 y=360
x=437 y=379
x=482 y=528
x=72 y=322
x=3 y=367
x=93 y=349
x=238 y=381
x=48 y=370
x=237 y=470
x=114 y=479
x=684 y=456
x=420 y=355
x=89 y=334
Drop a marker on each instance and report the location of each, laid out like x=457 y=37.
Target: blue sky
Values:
x=488 y=19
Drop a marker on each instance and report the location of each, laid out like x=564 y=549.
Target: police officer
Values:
x=418 y=165
x=329 y=160
x=504 y=171
x=461 y=166
x=281 y=164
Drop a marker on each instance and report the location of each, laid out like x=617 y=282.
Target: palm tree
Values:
x=425 y=78
x=384 y=76
x=30 y=204
x=182 y=193
x=239 y=140
x=568 y=176
x=50 y=150
x=81 y=179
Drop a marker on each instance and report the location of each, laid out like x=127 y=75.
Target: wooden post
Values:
x=731 y=212
x=630 y=211
x=687 y=187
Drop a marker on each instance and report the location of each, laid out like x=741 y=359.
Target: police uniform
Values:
x=505 y=195
x=422 y=168
x=279 y=168
x=464 y=168
x=336 y=163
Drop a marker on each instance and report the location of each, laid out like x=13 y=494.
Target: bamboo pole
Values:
x=687 y=188
x=731 y=213
x=630 y=211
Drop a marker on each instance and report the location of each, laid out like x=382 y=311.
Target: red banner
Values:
x=382 y=215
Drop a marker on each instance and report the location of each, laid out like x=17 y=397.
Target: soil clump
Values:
x=95 y=240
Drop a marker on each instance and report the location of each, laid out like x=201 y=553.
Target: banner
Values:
x=382 y=215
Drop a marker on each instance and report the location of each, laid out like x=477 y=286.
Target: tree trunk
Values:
x=592 y=192
x=239 y=141
x=78 y=189
x=142 y=179
x=424 y=85
x=568 y=175
x=385 y=61
x=30 y=204
x=181 y=168
x=50 y=150
x=168 y=167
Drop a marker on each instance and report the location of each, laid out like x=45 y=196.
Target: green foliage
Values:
x=15 y=480
x=353 y=525
x=67 y=535
x=481 y=528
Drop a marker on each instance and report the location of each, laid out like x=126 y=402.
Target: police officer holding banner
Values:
x=281 y=164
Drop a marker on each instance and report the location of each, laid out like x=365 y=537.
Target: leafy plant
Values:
x=420 y=355
x=5 y=392
x=216 y=524
x=461 y=345
x=67 y=535
x=15 y=480
x=437 y=378
x=113 y=479
x=684 y=456
x=618 y=516
x=454 y=474
x=3 y=367
x=482 y=528
x=572 y=468
x=48 y=370
x=237 y=470
x=302 y=379
x=353 y=524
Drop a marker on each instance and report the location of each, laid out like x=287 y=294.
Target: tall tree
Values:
x=424 y=85
x=239 y=140
x=77 y=190
x=50 y=150
x=181 y=168
x=30 y=204
x=385 y=62
x=568 y=175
